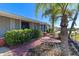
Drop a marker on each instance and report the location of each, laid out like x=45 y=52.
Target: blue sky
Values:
x=27 y=10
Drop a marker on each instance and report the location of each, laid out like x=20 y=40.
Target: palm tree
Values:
x=63 y=11
x=64 y=32
x=53 y=14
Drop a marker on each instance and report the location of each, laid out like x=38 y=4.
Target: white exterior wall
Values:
x=4 y=25
x=7 y=24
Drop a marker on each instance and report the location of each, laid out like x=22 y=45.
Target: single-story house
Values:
x=11 y=21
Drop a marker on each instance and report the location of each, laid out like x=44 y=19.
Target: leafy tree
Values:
x=62 y=10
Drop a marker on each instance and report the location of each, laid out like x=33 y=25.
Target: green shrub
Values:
x=14 y=37
x=37 y=33
x=28 y=34
x=48 y=30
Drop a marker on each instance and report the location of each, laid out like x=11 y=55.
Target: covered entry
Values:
x=25 y=25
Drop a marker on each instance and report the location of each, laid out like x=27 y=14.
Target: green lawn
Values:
x=75 y=37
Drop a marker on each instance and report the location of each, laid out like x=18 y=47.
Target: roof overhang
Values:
x=9 y=15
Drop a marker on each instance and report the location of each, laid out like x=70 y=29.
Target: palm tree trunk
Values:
x=74 y=20
x=53 y=27
x=64 y=36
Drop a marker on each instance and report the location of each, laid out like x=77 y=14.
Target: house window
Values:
x=12 y=24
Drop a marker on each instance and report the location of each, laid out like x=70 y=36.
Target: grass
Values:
x=75 y=36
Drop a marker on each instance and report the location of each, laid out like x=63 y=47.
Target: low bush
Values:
x=49 y=30
x=14 y=37
x=28 y=34
x=37 y=33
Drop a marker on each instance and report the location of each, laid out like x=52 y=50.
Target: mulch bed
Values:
x=45 y=50
x=48 y=49
x=39 y=47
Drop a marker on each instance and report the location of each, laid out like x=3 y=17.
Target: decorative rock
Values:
x=2 y=42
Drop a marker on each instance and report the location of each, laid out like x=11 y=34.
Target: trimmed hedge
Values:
x=14 y=37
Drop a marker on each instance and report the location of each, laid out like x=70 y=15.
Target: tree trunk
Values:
x=53 y=28
x=74 y=20
x=64 y=36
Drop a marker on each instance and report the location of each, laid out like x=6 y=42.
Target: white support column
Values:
x=20 y=24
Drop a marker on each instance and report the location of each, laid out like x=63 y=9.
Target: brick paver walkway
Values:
x=23 y=50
